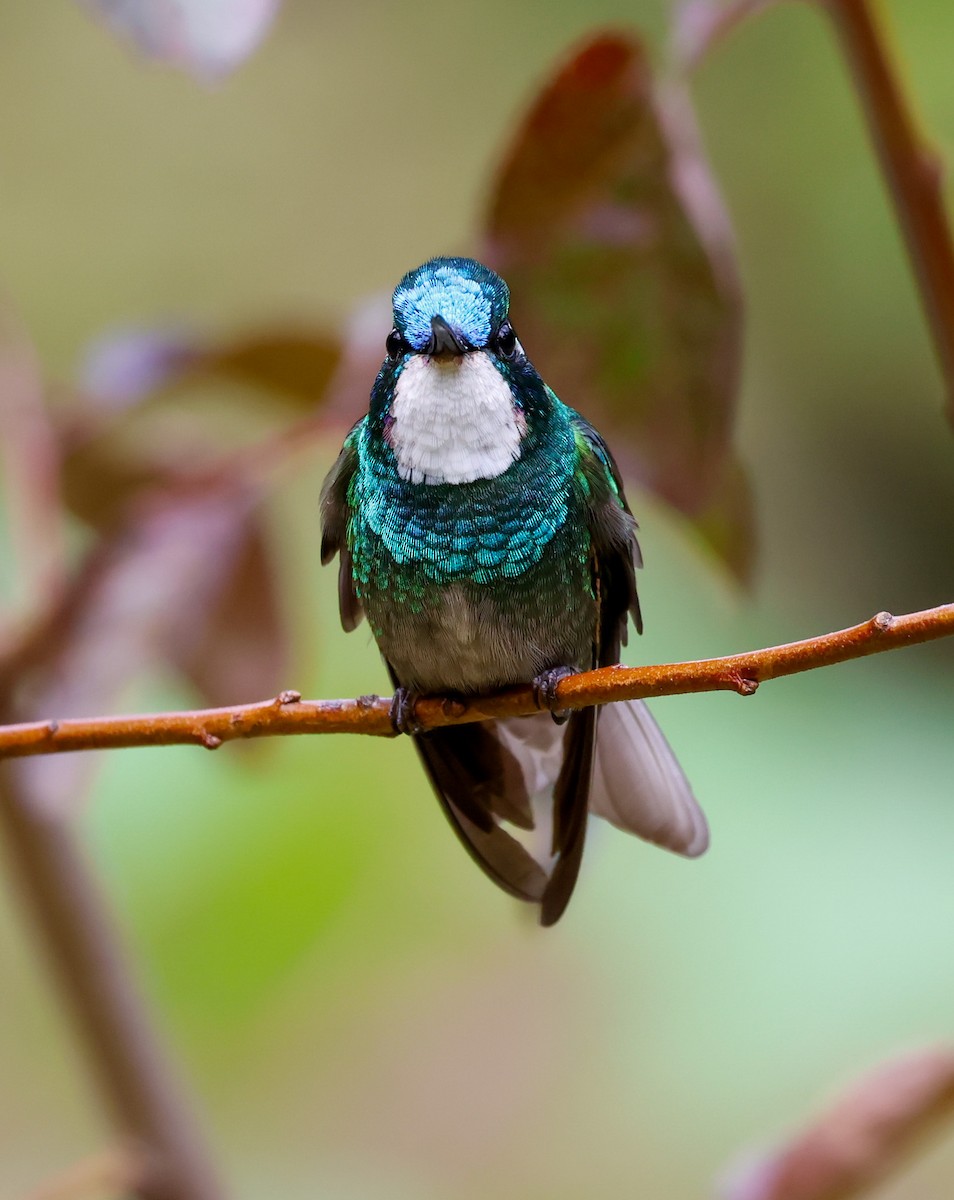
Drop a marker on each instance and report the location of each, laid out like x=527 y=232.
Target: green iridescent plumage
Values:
x=482 y=528
x=408 y=540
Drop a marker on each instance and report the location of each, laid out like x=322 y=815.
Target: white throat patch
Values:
x=453 y=421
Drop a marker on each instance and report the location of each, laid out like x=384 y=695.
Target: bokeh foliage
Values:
x=360 y=1014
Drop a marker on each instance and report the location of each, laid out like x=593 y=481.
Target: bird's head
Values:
x=450 y=307
x=455 y=397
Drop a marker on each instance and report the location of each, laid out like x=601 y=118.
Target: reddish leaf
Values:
x=99 y=485
x=863 y=1136
x=145 y=600
x=130 y=481
x=129 y=375
x=609 y=230
x=128 y=365
x=150 y=587
x=727 y=523
x=297 y=365
x=240 y=651
x=206 y=37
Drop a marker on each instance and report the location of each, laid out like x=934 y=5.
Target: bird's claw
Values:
x=544 y=692
x=402 y=715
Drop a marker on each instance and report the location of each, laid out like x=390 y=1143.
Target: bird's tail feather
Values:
x=639 y=786
x=465 y=765
x=517 y=793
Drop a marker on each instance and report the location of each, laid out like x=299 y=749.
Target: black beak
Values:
x=444 y=340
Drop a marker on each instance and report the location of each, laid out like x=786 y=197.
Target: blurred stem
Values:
x=114 y=1172
x=96 y=984
x=288 y=714
x=913 y=169
x=699 y=25
x=863 y=1136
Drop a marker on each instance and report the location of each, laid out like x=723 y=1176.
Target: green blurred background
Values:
x=359 y=1013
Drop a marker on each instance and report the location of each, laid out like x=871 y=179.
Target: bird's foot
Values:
x=544 y=691
x=402 y=715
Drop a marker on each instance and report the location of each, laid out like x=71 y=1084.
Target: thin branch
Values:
x=117 y=1171
x=913 y=169
x=862 y=1137
x=288 y=714
x=699 y=25
x=85 y=953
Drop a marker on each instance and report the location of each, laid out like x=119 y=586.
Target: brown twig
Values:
x=117 y=1171
x=287 y=713
x=84 y=950
x=913 y=169
x=85 y=647
x=862 y=1137
x=698 y=25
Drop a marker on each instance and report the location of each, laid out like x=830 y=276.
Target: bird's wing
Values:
x=335 y=516
x=615 y=550
x=638 y=785
x=528 y=774
x=614 y=556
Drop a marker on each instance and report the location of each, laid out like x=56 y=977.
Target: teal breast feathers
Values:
x=486 y=531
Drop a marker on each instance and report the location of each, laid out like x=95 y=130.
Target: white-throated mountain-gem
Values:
x=481 y=526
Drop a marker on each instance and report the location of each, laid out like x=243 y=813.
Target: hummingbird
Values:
x=482 y=527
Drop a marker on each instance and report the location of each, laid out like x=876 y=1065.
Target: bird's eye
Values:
x=506 y=342
x=395 y=345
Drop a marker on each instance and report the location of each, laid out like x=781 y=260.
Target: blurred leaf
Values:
x=362 y=351
x=29 y=458
x=727 y=523
x=133 y=482
x=297 y=365
x=243 y=650
x=205 y=37
x=609 y=230
x=131 y=373
x=125 y=366
x=865 y=1134
x=99 y=485
x=699 y=25
x=145 y=599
